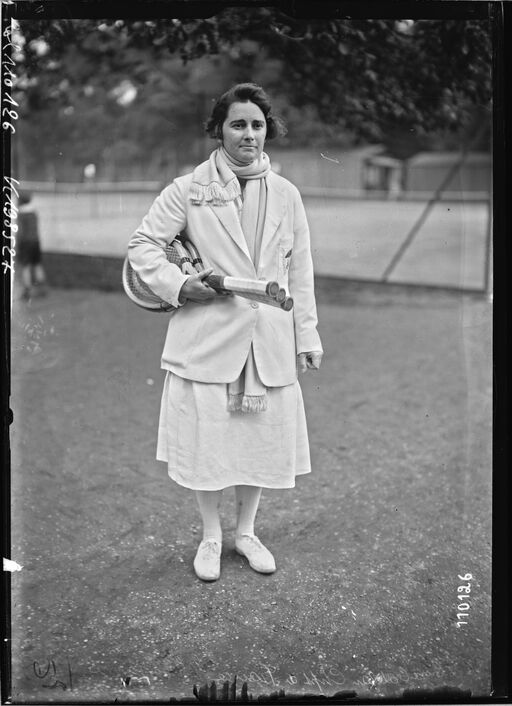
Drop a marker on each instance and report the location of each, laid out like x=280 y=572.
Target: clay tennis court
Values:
x=371 y=547
x=351 y=238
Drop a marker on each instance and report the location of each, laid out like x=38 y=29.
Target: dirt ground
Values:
x=371 y=547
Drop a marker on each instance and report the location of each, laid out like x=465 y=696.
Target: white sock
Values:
x=247 y=502
x=209 y=504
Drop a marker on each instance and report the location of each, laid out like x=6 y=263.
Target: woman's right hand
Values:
x=197 y=290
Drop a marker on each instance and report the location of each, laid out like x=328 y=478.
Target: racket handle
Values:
x=186 y=262
x=194 y=254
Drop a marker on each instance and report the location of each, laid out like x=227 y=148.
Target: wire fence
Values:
x=95 y=188
x=355 y=234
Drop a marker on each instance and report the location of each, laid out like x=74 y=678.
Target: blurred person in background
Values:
x=232 y=412
x=28 y=249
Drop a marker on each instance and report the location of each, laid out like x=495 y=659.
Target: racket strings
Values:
x=139 y=292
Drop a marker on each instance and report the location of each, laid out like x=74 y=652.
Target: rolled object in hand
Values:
x=257 y=290
x=273 y=288
x=281 y=295
x=265 y=299
x=235 y=285
x=286 y=305
x=239 y=285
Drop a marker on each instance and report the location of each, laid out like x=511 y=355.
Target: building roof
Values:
x=448 y=158
x=383 y=161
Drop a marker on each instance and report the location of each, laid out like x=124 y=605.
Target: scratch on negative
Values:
x=331 y=159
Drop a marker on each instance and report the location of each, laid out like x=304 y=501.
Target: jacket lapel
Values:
x=228 y=216
x=276 y=207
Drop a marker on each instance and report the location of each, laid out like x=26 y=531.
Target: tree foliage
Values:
x=360 y=78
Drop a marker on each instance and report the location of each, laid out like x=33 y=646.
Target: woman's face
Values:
x=244 y=131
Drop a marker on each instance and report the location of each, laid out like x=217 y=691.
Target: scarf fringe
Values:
x=215 y=181
x=214 y=193
x=249 y=404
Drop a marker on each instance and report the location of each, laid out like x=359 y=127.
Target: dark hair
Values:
x=241 y=93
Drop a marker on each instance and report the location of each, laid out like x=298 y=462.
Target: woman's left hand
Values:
x=310 y=360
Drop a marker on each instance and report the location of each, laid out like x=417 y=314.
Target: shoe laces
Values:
x=254 y=539
x=210 y=547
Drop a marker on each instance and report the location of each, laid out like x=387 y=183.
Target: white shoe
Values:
x=260 y=559
x=207 y=560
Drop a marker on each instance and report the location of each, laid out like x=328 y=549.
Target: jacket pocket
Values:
x=285 y=256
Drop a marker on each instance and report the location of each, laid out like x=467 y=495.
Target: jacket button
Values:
x=254 y=305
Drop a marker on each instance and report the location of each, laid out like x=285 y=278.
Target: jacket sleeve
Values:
x=146 y=249
x=301 y=283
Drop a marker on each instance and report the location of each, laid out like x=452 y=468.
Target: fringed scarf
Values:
x=216 y=183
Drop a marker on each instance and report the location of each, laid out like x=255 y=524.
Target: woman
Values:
x=232 y=412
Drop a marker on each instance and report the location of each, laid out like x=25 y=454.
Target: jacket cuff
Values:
x=309 y=341
x=173 y=294
x=167 y=284
x=182 y=300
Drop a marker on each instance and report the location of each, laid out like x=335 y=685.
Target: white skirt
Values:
x=208 y=448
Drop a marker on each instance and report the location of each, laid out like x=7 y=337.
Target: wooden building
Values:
x=425 y=171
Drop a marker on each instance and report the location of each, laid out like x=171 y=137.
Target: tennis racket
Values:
x=185 y=255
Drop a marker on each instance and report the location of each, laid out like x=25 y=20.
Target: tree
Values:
x=363 y=78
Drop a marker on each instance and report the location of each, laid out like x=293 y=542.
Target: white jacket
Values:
x=210 y=343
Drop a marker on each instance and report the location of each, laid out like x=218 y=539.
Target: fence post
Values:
x=488 y=274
